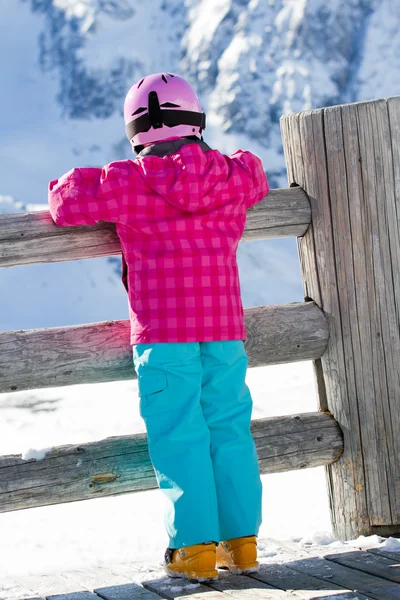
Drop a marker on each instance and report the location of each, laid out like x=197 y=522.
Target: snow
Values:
x=367 y=541
x=8 y=205
x=34 y=453
x=320 y=538
x=390 y=545
x=180 y=588
x=289 y=19
x=379 y=75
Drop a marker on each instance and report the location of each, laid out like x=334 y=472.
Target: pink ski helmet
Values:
x=162 y=106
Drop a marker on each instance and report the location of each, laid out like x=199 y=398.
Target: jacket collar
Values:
x=170 y=147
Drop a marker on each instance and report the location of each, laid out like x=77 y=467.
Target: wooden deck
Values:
x=287 y=572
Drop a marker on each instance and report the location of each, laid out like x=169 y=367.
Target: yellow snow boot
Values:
x=193 y=562
x=239 y=555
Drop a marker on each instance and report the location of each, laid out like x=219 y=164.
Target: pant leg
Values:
x=227 y=407
x=169 y=381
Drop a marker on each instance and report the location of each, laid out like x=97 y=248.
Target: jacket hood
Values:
x=186 y=173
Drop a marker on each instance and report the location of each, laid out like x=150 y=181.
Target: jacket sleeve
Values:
x=89 y=195
x=257 y=183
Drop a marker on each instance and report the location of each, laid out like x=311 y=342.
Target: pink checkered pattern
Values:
x=179 y=219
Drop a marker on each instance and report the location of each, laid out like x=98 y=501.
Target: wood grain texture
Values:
x=301 y=585
x=102 y=351
x=130 y=591
x=347 y=159
x=368 y=563
x=385 y=553
x=122 y=464
x=13 y=590
x=73 y=596
x=177 y=589
x=90 y=577
x=363 y=583
x=247 y=588
x=319 y=562
x=27 y=238
x=52 y=585
x=317 y=258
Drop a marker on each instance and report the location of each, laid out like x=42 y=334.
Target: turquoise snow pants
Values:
x=197 y=411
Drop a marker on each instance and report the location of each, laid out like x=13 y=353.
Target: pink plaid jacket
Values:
x=180 y=211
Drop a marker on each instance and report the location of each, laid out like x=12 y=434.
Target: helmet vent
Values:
x=170 y=105
x=140 y=82
x=170 y=74
x=164 y=79
x=139 y=110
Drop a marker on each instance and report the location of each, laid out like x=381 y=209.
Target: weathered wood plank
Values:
x=295 y=169
x=301 y=585
x=95 y=576
x=122 y=464
x=385 y=553
x=372 y=587
x=394 y=120
x=376 y=247
x=13 y=590
x=283 y=213
x=74 y=596
x=130 y=572
x=313 y=561
x=317 y=257
x=384 y=251
x=27 y=238
x=242 y=587
x=360 y=285
x=350 y=256
x=45 y=584
x=369 y=563
x=346 y=231
x=284 y=444
x=180 y=589
x=130 y=591
x=102 y=351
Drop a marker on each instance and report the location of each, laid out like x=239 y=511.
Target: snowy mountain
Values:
x=70 y=62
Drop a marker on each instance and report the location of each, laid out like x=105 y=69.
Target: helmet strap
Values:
x=155 y=116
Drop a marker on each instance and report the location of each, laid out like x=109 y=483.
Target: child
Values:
x=180 y=211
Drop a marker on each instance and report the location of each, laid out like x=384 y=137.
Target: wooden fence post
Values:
x=347 y=159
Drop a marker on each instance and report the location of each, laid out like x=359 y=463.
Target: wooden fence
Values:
x=343 y=205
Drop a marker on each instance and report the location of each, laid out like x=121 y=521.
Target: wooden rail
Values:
x=27 y=238
x=122 y=464
x=102 y=352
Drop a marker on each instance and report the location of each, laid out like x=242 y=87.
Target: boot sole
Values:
x=198 y=576
x=240 y=570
